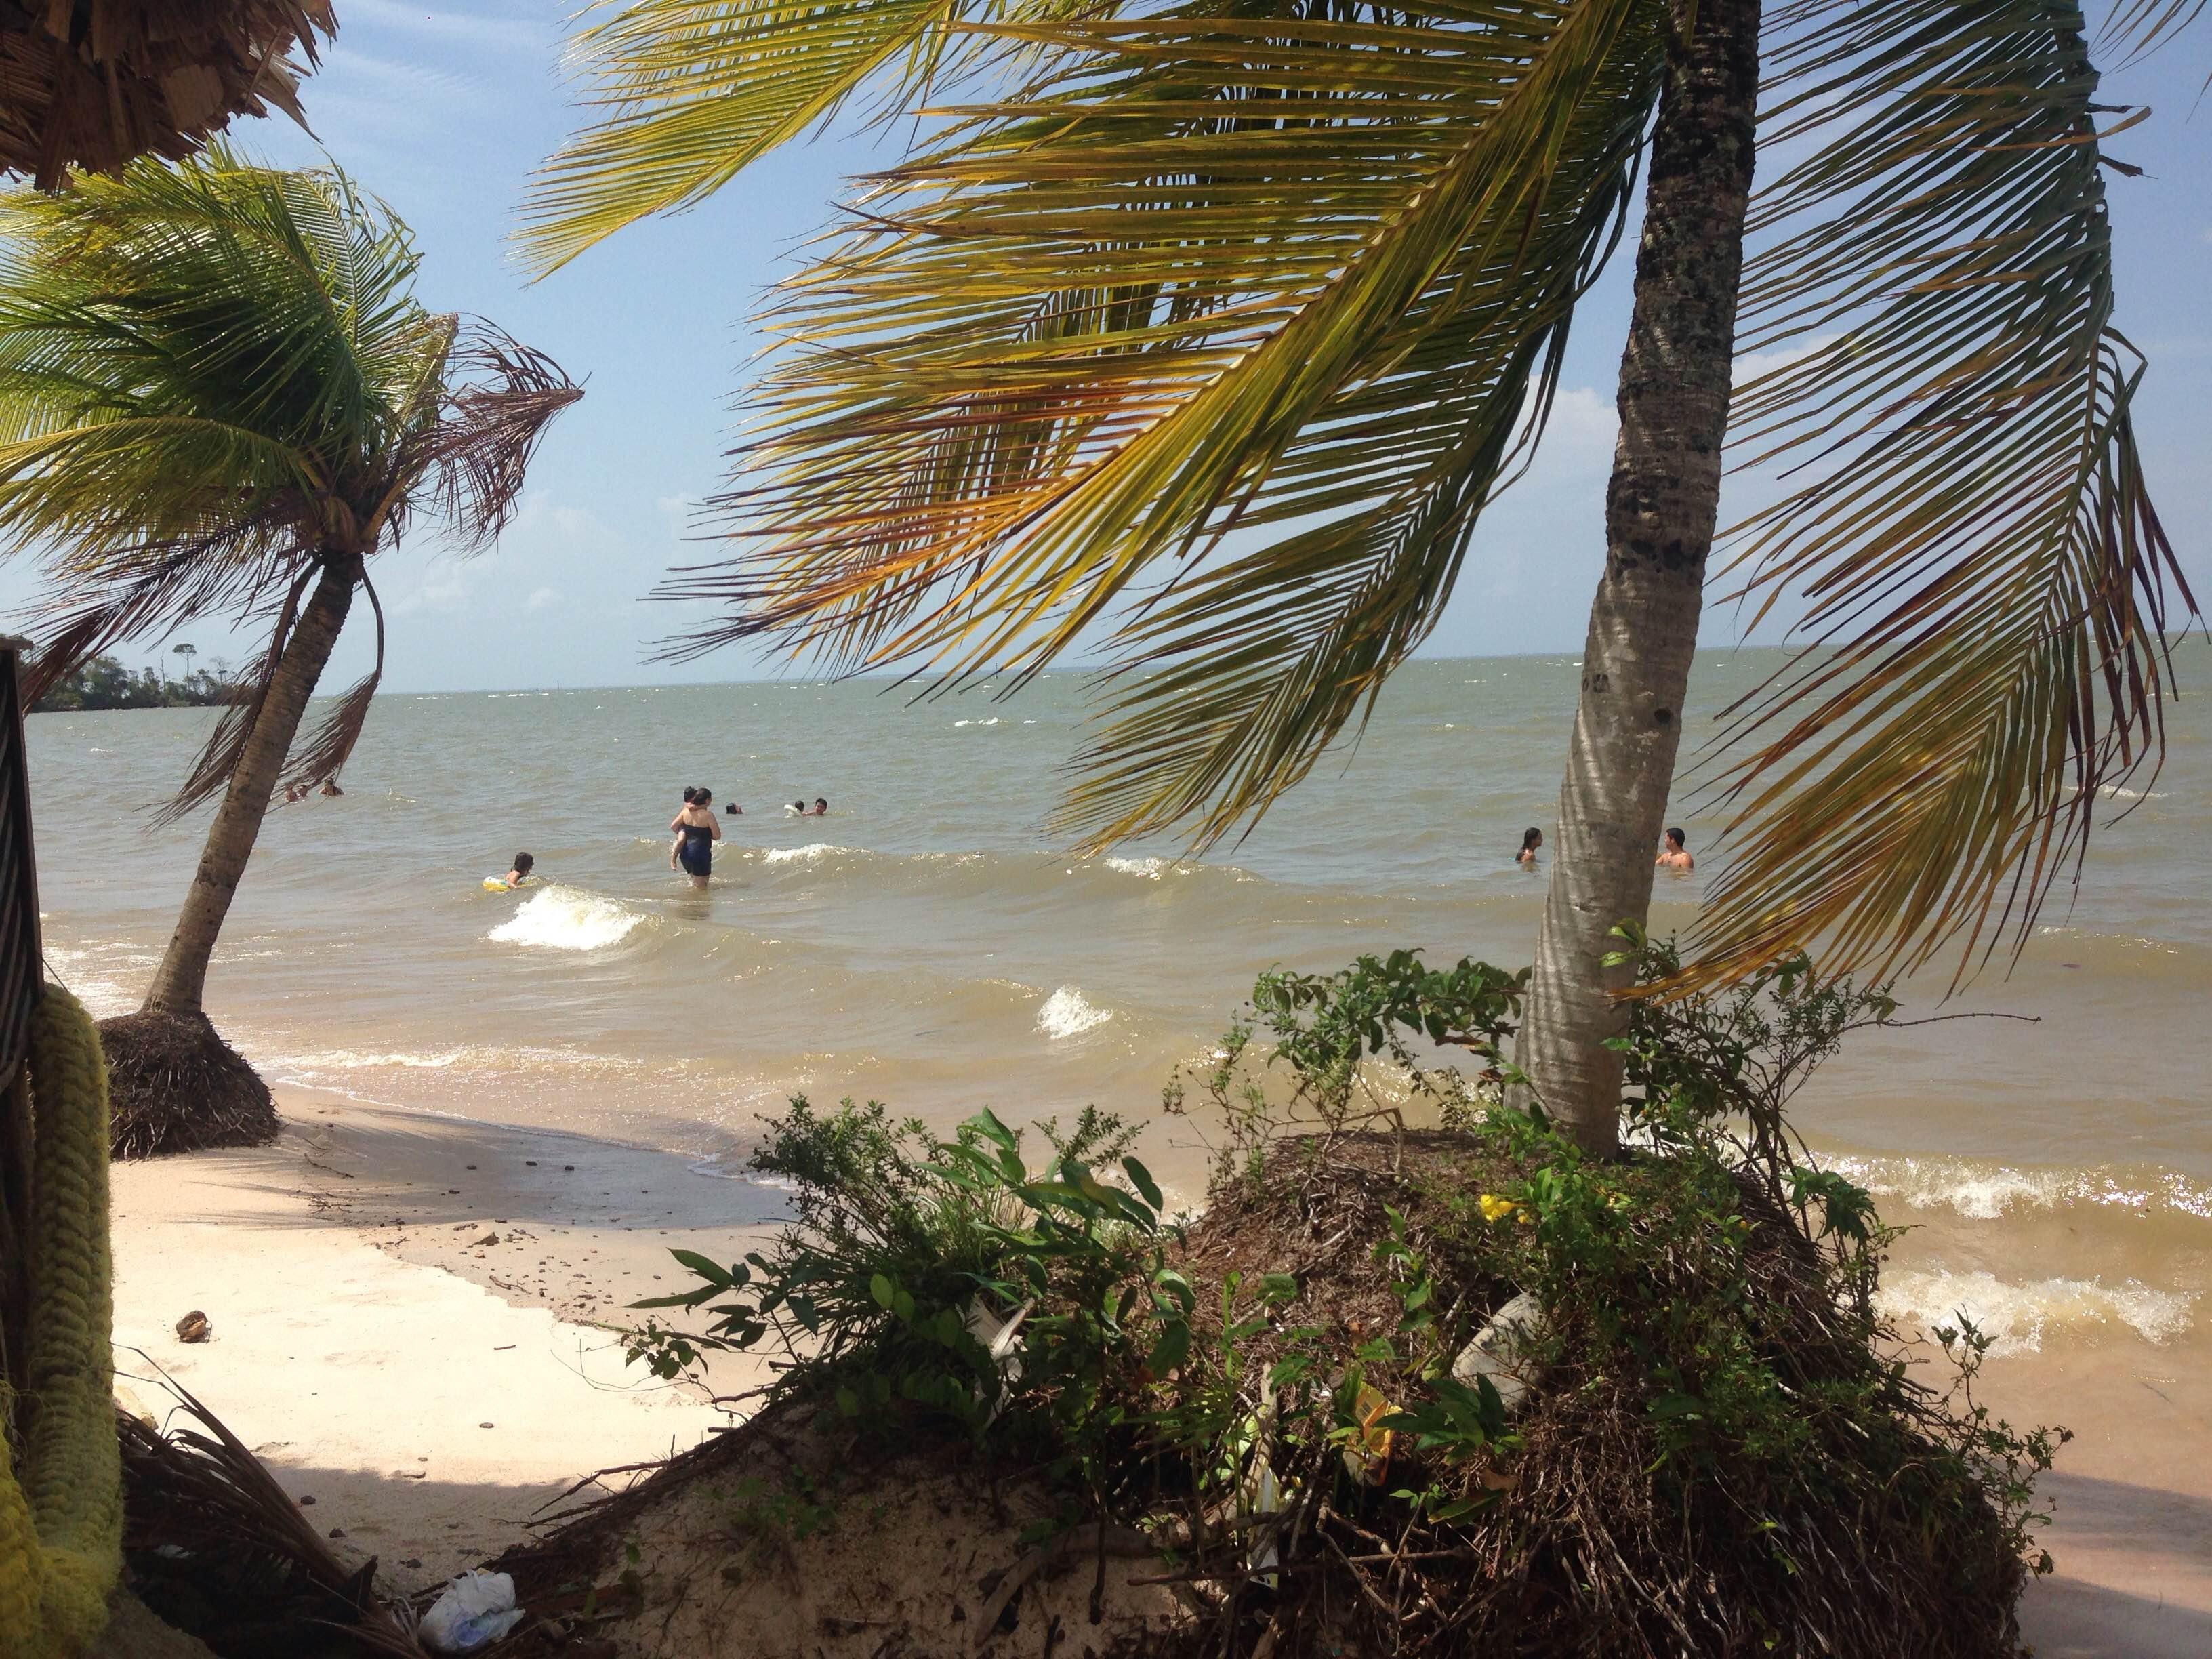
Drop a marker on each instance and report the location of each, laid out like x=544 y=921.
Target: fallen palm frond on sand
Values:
x=216 y=1548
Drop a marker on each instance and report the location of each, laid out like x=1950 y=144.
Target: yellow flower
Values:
x=1495 y=1208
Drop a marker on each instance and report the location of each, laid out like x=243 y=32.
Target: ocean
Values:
x=928 y=946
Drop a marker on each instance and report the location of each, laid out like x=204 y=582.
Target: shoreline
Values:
x=404 y=1314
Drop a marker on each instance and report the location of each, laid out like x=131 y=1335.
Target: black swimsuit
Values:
x=698 y=856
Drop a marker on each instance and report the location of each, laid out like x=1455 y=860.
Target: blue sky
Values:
x=444 y=112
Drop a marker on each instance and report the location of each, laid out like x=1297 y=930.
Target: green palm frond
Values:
x=691 y=92
x=1967 y=516
x=213 y=379
x=1274 y=292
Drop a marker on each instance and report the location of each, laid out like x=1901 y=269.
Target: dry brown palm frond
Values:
x=218 y=759
x=325 y=754
x=217 y=1547
x=502 y=396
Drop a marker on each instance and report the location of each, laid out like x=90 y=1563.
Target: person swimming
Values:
x=821 y=807
x=1674 y=853
x=697 y=829
x=523 y=866
x=796 y=809
x=1530 y=841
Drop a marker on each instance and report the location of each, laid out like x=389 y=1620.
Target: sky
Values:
x=444 y=112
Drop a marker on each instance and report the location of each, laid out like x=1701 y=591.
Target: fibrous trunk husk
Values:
x=174 y=1085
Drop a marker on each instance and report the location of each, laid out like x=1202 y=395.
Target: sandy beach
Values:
x=410 y=1316
x=407 y=1315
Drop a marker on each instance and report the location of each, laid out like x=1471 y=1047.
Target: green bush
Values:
x=1726 y=1451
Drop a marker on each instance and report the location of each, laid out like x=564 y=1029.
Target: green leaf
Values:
x=1141 y=1179
x=884 y=1293
x=1171 y=1351
x=704 y=1267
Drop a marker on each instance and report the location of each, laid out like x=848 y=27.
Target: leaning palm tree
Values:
x=218 y=395
x=1217 y=328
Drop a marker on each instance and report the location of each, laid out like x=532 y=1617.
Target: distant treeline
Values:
x=104 y=682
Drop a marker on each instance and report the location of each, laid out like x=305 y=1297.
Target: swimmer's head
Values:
x=1674 y=840
x=1531 y=838
x=522 y=863
x=799 y=807
x=821 y=803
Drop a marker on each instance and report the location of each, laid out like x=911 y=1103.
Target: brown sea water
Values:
x=928 y=946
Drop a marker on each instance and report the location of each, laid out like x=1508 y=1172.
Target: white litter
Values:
x=477 y=1609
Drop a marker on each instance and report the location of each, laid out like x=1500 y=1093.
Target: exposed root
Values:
x=174 y=1085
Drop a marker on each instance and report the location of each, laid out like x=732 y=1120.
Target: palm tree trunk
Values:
x=1659 y=516
x=182 y=977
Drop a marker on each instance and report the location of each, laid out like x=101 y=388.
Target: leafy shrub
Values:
x=1726 y=1450
x=945 y=1280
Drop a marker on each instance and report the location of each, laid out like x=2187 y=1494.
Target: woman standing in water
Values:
x=697 y=829
x=1525 y=858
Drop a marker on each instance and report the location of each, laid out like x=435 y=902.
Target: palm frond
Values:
x=218 y=757
x=691 y=92
x=215 y=1543
x=323 y=755
x=499 y=397
x=1266 y=291
x=1968 y=518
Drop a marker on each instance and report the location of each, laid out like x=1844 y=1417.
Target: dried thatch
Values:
x=174 y=1085
x=89 y=84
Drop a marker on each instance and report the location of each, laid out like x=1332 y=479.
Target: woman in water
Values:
x=1525 y=858
x=697 y=829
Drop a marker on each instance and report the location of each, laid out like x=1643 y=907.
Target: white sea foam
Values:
x=2017 y=1316
x=1065 y=1014
x=88 y=974
x=812 y=852
x=1152 y=869
x=1986 y=1192
x=562 y=919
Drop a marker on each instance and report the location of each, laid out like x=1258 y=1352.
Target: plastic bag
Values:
x=477 y=1609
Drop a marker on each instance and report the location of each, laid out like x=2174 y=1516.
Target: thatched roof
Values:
x=91 y=83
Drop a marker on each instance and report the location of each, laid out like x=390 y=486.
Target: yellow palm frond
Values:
x=691 y=92
x=1224 y=333
x=1987 y=578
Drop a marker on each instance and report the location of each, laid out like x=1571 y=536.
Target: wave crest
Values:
x=1065 y=1014
x=2016 y=1315
x=562 y=919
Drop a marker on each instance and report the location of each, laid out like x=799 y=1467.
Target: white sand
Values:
x=427 y=1416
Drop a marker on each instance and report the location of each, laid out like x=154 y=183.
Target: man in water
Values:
x=1674 y=853
x=821 y=808
x=331 y=786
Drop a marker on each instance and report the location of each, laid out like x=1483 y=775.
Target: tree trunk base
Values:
x=174 y=1085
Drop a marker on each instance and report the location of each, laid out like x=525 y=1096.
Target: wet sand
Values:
x=412 y=1325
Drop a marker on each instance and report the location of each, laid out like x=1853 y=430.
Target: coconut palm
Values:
x=218 y=395
x=1212 y=330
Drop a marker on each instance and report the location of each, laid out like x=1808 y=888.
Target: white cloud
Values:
x=541 y=598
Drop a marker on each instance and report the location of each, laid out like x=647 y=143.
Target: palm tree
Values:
x=1218 y=328
x=219 y=394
